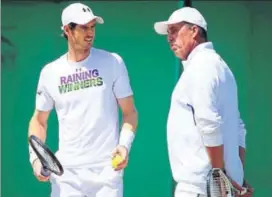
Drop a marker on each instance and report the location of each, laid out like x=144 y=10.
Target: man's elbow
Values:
x=209 y=125
x=211 y=134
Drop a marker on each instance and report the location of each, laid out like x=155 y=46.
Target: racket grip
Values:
x=45 y=172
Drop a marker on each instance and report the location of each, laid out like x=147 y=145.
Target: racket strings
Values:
x=47 y=159
x=219 y=186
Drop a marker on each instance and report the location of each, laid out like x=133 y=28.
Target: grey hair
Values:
x=202 y=32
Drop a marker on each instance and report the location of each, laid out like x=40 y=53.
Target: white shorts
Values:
x=180 y=192
x=187 y=194
x=95 y=182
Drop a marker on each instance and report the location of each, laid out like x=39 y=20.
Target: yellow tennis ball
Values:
x=116 y=160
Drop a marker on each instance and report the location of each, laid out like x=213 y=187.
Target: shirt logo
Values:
x=39 y=92
x=80 y=80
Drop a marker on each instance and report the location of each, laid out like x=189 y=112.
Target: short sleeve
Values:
x=121 y=84
x=44 y=101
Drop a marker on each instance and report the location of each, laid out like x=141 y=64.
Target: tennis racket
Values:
x=48 y=160
x=219 y=185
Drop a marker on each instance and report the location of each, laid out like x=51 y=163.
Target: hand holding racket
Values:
x=46 y=163
x=41 y=174
x=219 y=185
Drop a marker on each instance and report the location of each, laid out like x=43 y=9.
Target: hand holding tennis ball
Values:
x=116 y=161
x=119 y=158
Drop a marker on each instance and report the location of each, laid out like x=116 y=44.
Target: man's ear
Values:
x=195 y=30
x=66 y=29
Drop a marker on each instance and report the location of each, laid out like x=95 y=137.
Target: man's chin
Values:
x=180 y=57
x=88 y=47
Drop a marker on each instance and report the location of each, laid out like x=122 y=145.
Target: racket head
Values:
x=46 y=156
x=218 y=184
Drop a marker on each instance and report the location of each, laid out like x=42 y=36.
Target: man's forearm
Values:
x=37 y=129
x=242 y=154
x=216 y=155
x=130 y=121
x=128 y=130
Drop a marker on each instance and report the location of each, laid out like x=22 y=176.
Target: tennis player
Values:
x=86 y=86
x=204 y=128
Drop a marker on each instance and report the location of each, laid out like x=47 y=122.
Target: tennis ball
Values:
x=116 y=160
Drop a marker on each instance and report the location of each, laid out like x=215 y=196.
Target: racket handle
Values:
x=45 y=172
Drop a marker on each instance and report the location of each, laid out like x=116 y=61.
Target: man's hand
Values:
x=249 y=192
x=123 y=152
x=37 y=169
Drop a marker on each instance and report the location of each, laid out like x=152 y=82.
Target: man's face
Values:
x=181 y=39
x=82 y=36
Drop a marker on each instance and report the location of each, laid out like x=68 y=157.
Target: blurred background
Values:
x=30 y=38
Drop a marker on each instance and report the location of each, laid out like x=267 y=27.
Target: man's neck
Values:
x=76 y=55
x=198 y=42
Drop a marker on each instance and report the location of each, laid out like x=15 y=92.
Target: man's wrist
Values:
x=126 y=138
x=32 y=155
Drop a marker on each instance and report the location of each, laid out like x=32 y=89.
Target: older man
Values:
x=204 y=128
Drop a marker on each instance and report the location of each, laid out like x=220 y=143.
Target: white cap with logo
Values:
x=80 y=14
x=185 y=14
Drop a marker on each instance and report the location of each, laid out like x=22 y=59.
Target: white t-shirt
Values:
x=204 y=112
x=85 y=95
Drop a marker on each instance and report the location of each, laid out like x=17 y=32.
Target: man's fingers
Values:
x=235 y=185
x=123 y=162
x=249 y=188
x=114 y=152
x=121 y=165
x=248 y=194
x=42 y=178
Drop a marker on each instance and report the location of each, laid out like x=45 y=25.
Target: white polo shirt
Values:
x=204 y=112
x=85 y=95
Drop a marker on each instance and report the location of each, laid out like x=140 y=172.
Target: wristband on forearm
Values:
x=126 y=138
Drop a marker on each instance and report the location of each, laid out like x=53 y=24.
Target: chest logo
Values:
x=80 y=80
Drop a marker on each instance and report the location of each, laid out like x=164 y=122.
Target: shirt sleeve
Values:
x=121 y=84
x=205 y=84
x=242 y=133
x=44 y=101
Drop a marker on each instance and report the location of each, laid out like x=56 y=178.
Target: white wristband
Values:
x=32 y=155
x=126 y=138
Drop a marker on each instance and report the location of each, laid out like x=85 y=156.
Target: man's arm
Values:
x=205 y=88
x=216 y=156
x=242 y=141
x=127 y=134
x=130 y=121
x=37 y=127
x=124 y=95
x=242 y=154
x=38 y=124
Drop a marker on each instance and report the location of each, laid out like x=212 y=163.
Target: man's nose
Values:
x=170 y=38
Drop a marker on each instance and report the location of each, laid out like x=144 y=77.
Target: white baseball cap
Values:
x=185 y=14
x=78 y=13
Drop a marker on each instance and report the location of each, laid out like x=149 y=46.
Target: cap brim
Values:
x=161 y=27
x=90 y=18
x=99 y=19
x=86 y=20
